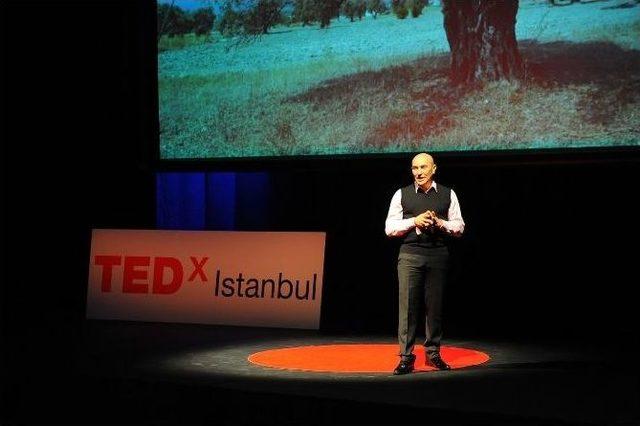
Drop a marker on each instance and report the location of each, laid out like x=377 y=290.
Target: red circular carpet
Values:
x=360 y=358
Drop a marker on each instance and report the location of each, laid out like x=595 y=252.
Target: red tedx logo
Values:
x=141 y=272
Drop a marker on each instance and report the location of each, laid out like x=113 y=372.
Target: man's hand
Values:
x=424 y=220
x=437 y=222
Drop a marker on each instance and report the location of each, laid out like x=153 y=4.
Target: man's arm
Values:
x=395 y=225
x=454 y=225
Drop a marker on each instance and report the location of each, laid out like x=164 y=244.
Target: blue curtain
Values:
x=214 y=201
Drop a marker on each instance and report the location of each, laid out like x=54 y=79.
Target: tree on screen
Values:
x=354 y=9
x=231 y=23
x=173 y=20
x=376 y=7
x=417 y=6
x=349 y=9
x=400 y=8
x=304 y=11
x=264 y=15
x=203 y=20
x=482 y=39
x=322 y=11
x=326 y=10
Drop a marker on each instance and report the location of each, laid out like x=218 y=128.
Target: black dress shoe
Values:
x=438 y=363
x=404 y=367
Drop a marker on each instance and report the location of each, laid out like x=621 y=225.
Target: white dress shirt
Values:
x=396 y=226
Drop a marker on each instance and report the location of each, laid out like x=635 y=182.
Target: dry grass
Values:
x=572 y=97
x=507 y=115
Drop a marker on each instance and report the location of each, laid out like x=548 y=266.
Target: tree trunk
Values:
x=482 y=39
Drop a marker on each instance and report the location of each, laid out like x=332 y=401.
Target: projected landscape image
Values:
x=272 y=78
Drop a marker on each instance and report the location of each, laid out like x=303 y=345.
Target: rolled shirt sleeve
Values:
x=454 y=223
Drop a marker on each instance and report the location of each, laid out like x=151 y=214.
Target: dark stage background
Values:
x=549 y=252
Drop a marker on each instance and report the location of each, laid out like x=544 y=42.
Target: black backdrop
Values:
x=550 y=249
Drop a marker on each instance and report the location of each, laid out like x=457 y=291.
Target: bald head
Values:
x=422 y=157
x=423 y=167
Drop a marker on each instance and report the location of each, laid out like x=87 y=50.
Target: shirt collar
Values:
x=433 y=186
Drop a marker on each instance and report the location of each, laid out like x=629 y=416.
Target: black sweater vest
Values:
x=414 y=204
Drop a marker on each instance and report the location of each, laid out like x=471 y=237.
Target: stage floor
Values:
x=196 y=374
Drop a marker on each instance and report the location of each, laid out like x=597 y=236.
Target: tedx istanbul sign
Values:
x=269 y=279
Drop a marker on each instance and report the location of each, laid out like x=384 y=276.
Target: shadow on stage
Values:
x=156 y=373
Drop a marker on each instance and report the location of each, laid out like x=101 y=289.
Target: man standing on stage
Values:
x=425 y=215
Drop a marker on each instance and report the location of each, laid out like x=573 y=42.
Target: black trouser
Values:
x=421 y=275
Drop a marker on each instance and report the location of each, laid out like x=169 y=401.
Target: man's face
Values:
x=423 y=169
